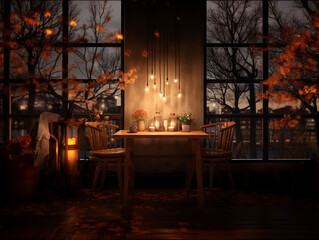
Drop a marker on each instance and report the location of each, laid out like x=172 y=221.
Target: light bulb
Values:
x=167 y=83
x=175 y=80
x=147 y=89
x=161 y=94
x=164 y=99
x=179 y=95
x=154 y=86
x=152 y=76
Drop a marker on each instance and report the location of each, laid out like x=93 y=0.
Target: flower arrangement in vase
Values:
x=185 y=119
x=140 y=115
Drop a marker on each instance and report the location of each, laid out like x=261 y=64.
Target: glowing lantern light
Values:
x=72 y=154
x=175 y=80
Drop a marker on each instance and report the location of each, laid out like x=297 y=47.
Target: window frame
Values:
x=7 y=115
x=266 y=116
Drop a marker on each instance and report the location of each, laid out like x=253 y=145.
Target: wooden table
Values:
x=192 y=136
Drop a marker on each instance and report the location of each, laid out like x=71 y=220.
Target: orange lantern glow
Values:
x=72 y=155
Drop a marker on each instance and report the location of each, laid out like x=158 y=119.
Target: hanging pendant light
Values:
x=158 y=48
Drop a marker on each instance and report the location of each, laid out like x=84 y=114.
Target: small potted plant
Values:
x=185 y=119
x=140 y=115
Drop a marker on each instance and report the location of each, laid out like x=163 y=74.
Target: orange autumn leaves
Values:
x=42 y=69
x=295 y=79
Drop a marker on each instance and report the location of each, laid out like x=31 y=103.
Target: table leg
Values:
x=190 y=166
x=127 y=161
x=197 y=152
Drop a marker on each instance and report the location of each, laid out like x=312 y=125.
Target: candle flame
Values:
x=71 y=141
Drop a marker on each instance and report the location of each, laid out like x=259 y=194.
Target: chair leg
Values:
x=119 y=175
x=211 y=176
x=132 y=176
x=96 y=175
x=230 y=175
x=219 y=175
x=103 y=174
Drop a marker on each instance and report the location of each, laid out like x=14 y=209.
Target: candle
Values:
x=157 y=124
x=165 y=125
x=151 y=129
x=171 y=129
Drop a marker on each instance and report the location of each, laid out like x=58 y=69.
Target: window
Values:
x=73 y=44
x=237 y=62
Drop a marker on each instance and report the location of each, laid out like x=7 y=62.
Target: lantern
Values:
x=158 y=121
x=173 y=122
x=72 y=150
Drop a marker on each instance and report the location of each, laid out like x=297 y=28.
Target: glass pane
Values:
x=24 y=126
x=36 y=22
x=107 y=99
x=234 y=21
x=233 y=98
x=43 y=64
x=95 y=21
x=26 y=100
x=237 y=63
x=285 y=15
x=89 y=63
x=247 y=142
x=298 y=142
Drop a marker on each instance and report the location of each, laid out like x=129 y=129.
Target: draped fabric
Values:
x=43 y=137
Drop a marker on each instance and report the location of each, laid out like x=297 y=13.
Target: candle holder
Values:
x=165 y=125
x=173 y=121
x=158 y=121
x=68 y=151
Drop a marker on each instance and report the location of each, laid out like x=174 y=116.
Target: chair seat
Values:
x=215 y=153
x=112 y=152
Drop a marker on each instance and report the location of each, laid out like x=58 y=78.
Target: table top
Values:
x=147 y=134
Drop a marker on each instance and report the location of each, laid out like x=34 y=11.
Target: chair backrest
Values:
x=220 y=135
x=101 y=135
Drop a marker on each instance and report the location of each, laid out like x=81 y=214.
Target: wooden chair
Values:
x=217 y=149
x=104 y=150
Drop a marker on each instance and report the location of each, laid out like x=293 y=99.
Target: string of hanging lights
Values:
x=158 y=47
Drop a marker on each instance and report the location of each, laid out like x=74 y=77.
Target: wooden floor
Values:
x=160 y=213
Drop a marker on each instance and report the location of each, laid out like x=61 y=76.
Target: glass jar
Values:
x=173 y=121
x=158 y=121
